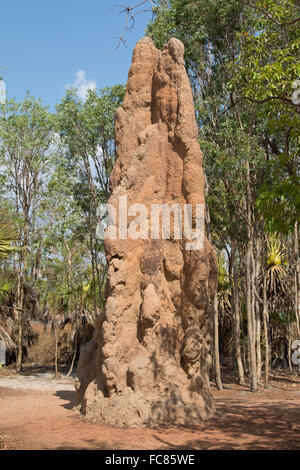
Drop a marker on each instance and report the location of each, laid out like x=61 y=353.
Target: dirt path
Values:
x=36 y=413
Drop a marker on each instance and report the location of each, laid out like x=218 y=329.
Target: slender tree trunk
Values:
x=100 y=278
x=250 y=314
x=236 y=316
x=265 y=323
x=20 y=345
x=297 y=278
x=19 y=315
x=250 y=302
x=73 y=360
x=93 y=190
x=258 y=342
x=244 y=356
x=56 y=351
x=257 y=307
x=289 y=343
x=94 y=262
x=20 y=300
x=69 y=266
x=216 y=345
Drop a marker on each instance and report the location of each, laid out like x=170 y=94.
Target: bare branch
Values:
x=253 y=100
x=271 y=98
x=130 y=13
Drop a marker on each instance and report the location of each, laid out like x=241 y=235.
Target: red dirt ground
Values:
x=34 y=419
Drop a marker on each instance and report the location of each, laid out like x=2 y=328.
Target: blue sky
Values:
x=45 y=43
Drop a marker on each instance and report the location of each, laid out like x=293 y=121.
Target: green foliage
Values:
x=87 y=130
x=232 y=155
x=44 y=181
x=264 y=73
x=224 y=285
x=242 y=59
x=280 y=205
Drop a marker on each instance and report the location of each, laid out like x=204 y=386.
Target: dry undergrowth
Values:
x=43 y=350
x=7 y=371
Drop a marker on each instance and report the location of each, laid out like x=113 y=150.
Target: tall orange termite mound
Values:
x=149 y=361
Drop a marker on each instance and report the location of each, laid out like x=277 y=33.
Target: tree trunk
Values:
x=73 y=360
x=19 y=316
x=250 y=302
x=236 y=316
x=266 y=328
x=56 y=352
x=250 y=314
x=94 y=263
x=19 y=344
x=297 y=278
x=69 y=266
x=216 y=345
x=20 y=300
x=258 y=343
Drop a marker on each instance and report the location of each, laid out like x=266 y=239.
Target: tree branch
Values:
x=130 y=14
x=270 y=17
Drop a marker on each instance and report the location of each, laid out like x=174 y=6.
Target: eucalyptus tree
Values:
x=233 y=159
x=86 y=129
x=8 y=235
x=243 y=61
x=26 y=135
x=267 y=75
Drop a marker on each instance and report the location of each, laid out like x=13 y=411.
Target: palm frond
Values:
x=278 y=279
x=8 y=235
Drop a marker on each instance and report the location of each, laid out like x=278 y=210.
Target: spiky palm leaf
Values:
x=278 y=279
x=224 y=306
x=80 y=326
x=78 y=329
x=224 y=290
x=8 y=234
x=9 y=330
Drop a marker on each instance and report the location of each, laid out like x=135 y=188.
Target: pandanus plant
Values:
x=8 y=323
x=224 y=305
x=279 y=295
x=8 y=235
x=78 y=329
x=277 y=277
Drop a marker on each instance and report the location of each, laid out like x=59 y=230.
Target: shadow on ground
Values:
x=68 y=396
x=87 y=444
x=237 y=426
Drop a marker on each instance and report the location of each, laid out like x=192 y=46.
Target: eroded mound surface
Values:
x=149 y=361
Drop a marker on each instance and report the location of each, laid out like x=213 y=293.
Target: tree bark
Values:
x=216 y=345
x=73 y=360
x=266 y=325
x=236 y=314
x=56 y=351
x=250 y=314
x=297 y=278
x=20 y=300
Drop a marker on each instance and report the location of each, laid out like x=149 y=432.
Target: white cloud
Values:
x=83 y=84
